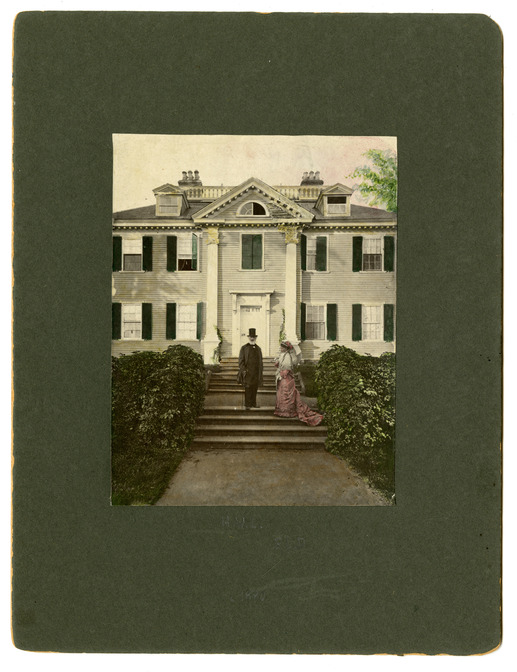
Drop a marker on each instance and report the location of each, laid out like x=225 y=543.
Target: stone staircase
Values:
x=225 y=423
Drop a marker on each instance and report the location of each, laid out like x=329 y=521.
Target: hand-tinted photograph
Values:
x=254 y=320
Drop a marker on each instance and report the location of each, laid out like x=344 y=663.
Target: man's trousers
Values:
x=250 y=395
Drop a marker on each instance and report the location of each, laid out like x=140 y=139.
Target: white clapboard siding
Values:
x=232 y=278
x=344 y=287
x=160 y=287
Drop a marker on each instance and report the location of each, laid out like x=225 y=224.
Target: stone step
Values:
x=254 y=442
x=216 y=410
x=253 y=415
x=231 y=360
x=259 y=428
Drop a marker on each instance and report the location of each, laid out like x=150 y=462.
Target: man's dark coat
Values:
x=243 y=366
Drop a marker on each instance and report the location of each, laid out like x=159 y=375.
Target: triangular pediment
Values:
x=337 y=189
x=234 y=206
x=168 y=189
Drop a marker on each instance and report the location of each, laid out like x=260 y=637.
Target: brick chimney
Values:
x=190 y=179
x=309 y=178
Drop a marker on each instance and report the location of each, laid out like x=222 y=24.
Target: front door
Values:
x=251 y=317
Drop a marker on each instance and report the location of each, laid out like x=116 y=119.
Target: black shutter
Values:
x=147 y=253
x=147 y=321
x=172 y=247
x=357 y=322
x=388 y=321
x=116 y=321
x=194 y=252
x=389 y=253
x=331 y=321
x=170 y=324
x=199 y=320
x=247 y=251
x=257 y=251
x=117 y=253
x=303 y=251
x=303 y=313
x=357 y=254
x=321 y=253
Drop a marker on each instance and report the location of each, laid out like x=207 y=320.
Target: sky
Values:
x=143 y=162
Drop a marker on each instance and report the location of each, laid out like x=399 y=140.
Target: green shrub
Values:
x=156 y=399
x=357 y=395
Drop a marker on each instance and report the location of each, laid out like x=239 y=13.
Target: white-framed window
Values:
x=315 y=322
x=186 y=322
x=131 y=321
x=337 y=205
x=372 y=323
x=372 y=254
x=316 y=250
x=188 y=252
x=252 y=209
x=169 y=205
x=132 y=254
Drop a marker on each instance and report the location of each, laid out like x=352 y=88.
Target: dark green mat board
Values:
x=422 y=576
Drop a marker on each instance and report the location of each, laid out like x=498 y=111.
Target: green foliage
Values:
x=381 y=179
x=216 y=357
x=282 y=335
x=156 y=398
x=357 y=395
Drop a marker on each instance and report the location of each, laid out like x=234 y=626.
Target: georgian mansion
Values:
x=204 y=264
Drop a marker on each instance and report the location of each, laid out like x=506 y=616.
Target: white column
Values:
x=211 y=340
x=291 y=284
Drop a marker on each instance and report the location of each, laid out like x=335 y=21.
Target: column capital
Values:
x=212 y=235
x=291 y=232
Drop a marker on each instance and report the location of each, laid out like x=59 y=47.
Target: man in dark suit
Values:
x=250 y=370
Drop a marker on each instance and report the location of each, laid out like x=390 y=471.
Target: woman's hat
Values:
x=252 y=333
x=286 y=344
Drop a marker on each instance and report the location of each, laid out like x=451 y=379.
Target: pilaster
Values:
x=211 y=340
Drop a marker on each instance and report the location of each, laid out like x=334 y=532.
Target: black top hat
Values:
x=252 y=333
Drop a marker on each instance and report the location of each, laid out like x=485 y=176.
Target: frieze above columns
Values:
x=212 y=235
x=292 y=233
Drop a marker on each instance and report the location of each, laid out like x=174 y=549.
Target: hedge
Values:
x=357 y=395
x=156 y=399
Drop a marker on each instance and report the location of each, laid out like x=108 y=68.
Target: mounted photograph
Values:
x=253 y=320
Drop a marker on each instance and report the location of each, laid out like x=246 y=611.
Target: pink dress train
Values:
x=289 y=403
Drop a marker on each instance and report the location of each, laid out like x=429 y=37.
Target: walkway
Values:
x=263 y=477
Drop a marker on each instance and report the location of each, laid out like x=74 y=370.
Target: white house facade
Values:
x=206 y=263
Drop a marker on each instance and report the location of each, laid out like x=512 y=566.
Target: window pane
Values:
x=372 y=323
x=372 y=262
x=311 y=254
x=336 y=204
x=132 y=321
x=185 y=265
x=314 y=322
x=132 y=262
x=132 y=246
x=185 y=247
x=372 y=246
x=186 y=321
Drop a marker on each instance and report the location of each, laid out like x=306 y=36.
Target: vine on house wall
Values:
x=216 y=357
x=282 y=335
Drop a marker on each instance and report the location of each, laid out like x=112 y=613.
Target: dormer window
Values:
x=335 y=201
x=253 y=209
x=168 y=205
x=337 y=204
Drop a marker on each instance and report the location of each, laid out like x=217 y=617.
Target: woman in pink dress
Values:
x=288 y=401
